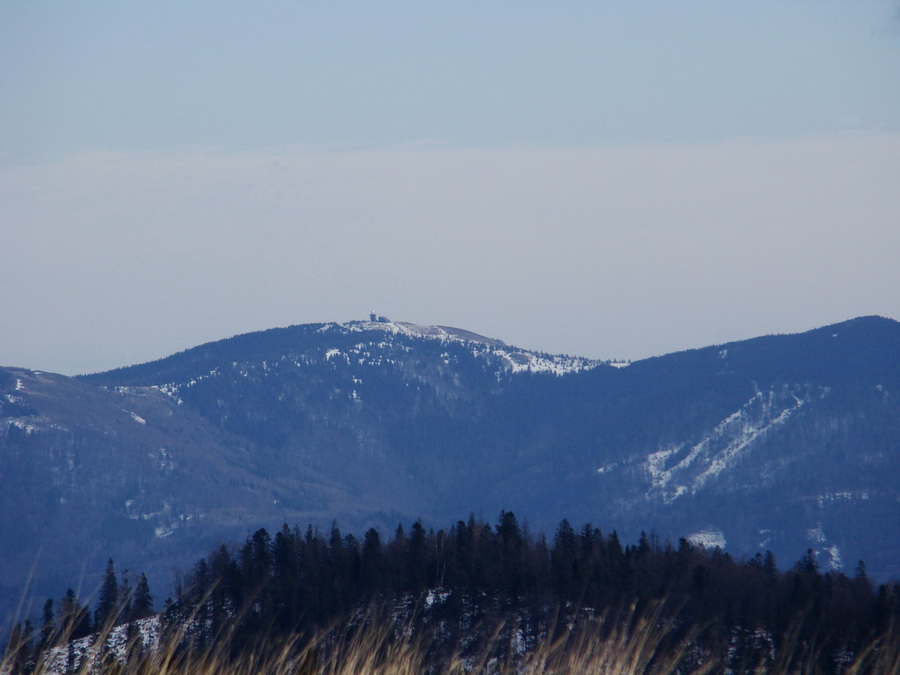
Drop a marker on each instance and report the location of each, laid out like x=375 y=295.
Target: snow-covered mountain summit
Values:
x=514 y=359
x=424 y=331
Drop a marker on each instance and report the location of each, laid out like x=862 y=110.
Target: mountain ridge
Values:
x=440 y=332
x=276 y=339
x=780 y=442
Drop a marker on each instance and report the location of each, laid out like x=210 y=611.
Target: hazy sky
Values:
x=608 y=179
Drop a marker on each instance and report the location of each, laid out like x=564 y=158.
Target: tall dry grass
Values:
x=375 y=644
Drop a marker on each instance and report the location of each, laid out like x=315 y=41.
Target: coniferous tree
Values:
x=75 y=620
x=124 y=605
x=372 y=561
x=48 y=625
x=396 y=550
x=769 y=564
x=512 y=554
x=564 y=560
x=108 y=598
x=415 y=562
x=256 y=556
x=861 y=571
x=142 y=605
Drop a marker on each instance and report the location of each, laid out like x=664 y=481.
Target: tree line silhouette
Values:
x=300 y=580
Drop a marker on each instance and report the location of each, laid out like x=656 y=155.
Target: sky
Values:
x=605 y=179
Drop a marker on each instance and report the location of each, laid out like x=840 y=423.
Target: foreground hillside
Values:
x=473 y=598
x=779 y=443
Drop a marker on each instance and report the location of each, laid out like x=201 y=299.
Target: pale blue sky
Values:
x=147 y=76
x=613 y=179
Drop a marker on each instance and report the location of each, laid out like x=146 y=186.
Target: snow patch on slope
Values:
x=827 y=554
x=708 y=539
x=514 y=360
x=683 y=469
x=87 y=653
x=830 y=498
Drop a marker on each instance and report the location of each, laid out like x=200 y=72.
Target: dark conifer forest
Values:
x=473 y=580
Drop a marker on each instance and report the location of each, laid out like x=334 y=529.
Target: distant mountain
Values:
x=782 y=442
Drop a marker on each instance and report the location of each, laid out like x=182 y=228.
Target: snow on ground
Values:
x=816 y=535
x=844 y=495
x=828 y=555
x=675 y=470
x=68 y=659
x=170 y=390
x=25 y=426
x=709 y=539
x=606 y=469
x=514 y=360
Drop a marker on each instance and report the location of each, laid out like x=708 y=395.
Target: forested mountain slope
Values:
x=781 y=442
